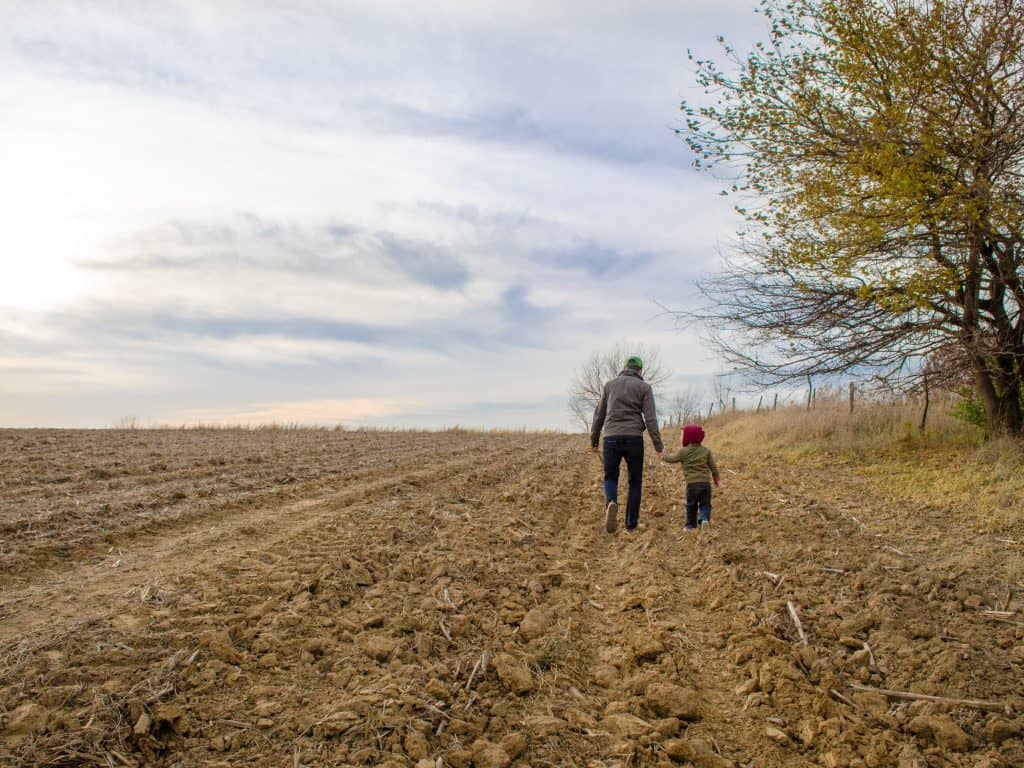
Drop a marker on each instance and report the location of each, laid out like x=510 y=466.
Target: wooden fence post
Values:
x=851 y=397
x=775 y=405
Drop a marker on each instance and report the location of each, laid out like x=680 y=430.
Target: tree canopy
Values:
x=878 y=150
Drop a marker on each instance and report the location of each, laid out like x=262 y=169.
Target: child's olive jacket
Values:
x=698 y=463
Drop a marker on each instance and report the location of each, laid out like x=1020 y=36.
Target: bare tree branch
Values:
x=588 y=382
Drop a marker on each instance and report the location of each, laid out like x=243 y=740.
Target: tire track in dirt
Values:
x=660 y=692
x=18 y=565
x=198 y=544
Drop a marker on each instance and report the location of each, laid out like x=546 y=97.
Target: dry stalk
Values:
x=988 y=706
x=124 y=760
x=871 y=655
x=481 y=666
x=448 y=599
x=839 y=697
x=796 y=620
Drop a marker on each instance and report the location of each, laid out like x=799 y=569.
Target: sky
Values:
x=408 y=214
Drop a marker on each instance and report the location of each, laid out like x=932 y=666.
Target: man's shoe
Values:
x=612 y=520
x=690 y=528
x=704 y=524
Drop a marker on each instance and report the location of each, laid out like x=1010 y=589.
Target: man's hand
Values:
x=661 y=455
x=594 y=449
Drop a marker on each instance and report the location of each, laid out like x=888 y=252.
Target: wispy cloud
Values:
x=251 y=243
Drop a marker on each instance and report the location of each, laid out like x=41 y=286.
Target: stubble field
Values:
x=308 y=597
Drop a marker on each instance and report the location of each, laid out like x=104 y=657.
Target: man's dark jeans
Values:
x=630 y=448
x=698 y=497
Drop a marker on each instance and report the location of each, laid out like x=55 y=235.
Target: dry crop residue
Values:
x=302 y=597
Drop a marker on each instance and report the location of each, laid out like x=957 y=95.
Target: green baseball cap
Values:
x=635 y=362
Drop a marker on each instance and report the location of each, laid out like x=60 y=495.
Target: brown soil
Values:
x=302 y=597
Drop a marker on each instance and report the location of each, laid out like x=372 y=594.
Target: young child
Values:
x=699 y=469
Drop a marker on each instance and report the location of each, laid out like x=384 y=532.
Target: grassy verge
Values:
x=948 y=464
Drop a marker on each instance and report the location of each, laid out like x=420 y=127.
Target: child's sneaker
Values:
x=690 y=528
x=705 y=524
x=611 y=522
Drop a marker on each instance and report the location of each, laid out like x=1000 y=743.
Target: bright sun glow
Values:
x=55 y=179
x=38 y=250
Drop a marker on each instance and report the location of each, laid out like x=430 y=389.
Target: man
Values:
x=625 y=411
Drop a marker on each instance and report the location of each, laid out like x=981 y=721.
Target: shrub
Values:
x=968 y=407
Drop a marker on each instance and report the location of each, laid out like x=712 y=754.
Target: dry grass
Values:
x=874 y=424
x=949 y=464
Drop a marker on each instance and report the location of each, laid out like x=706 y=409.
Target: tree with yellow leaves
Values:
x=878 y=154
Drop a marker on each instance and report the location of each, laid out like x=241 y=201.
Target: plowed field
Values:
x=307 y=598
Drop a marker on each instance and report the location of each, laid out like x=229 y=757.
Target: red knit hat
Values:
x=692 y=433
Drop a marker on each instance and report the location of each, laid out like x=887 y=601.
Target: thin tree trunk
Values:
x=927 y=402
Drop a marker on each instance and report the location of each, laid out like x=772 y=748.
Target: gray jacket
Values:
x=626 y=408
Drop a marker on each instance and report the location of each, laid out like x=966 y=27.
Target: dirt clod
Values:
x=626 y=725
x=536 y=623
x=26 y=720
x=684 y=751
x=940 y=729
x=170 y=717
x=489 y=755
x=142 y=724
x=378 y=647
x=513 y=674
x=1001 y=729
x=667 y=700
x=545 y=725
x=514 y=744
